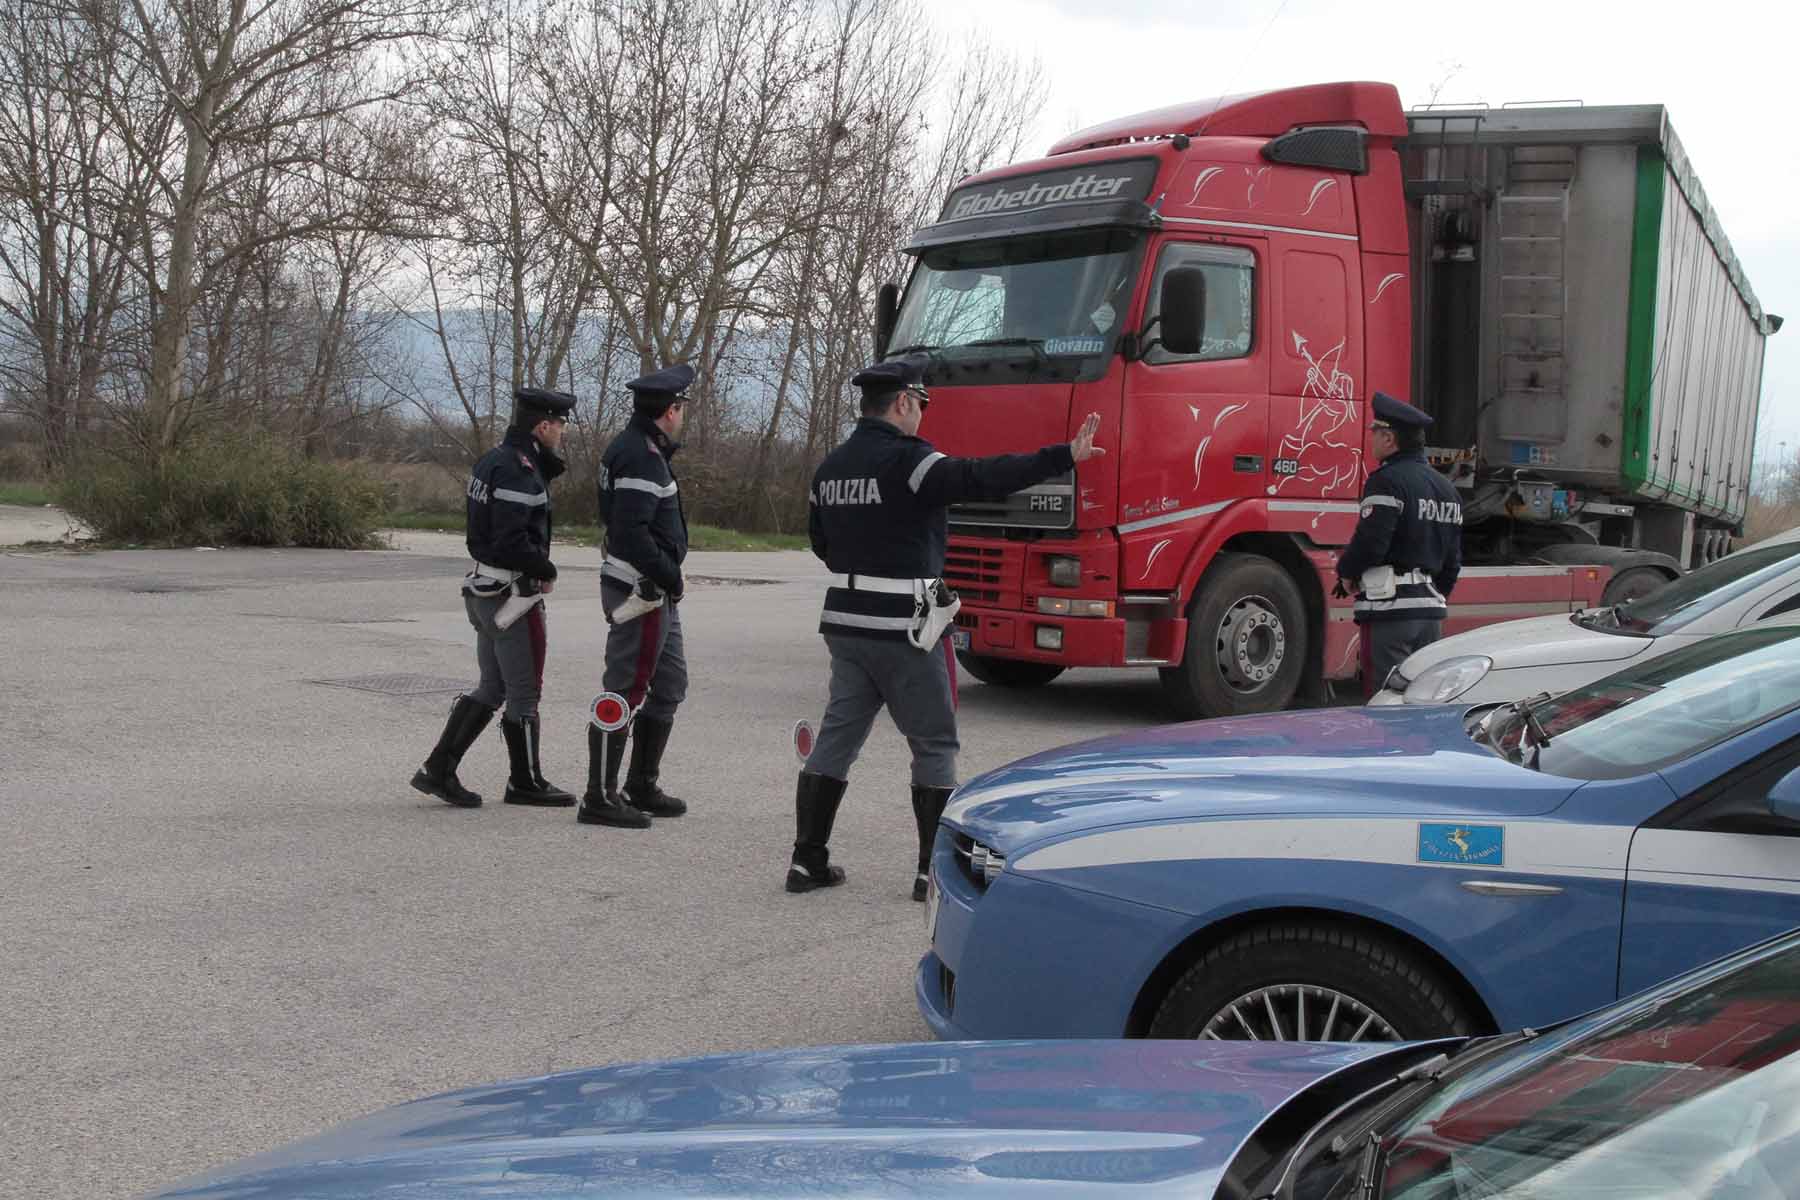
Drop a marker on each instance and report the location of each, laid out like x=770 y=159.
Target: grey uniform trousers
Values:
x=1387 y=643
x=511 y=659
x=919 y=689
x=646 y=661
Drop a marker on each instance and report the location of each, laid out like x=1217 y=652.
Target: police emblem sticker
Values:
x=1462 y=845
x=609 y=712
x=803 y=741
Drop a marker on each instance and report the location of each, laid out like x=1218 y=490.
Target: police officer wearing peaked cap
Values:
x=508 y=531
x=646 y=543
x=1406 y=553
x=877 y=517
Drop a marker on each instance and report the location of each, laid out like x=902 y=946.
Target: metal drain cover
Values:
x=398 y=685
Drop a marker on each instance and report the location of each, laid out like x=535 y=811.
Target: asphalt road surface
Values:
x=226 y=921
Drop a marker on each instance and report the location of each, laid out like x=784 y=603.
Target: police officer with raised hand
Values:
x=877 y=517
x=508 y=529
x=640 y=586
x=1406 y=553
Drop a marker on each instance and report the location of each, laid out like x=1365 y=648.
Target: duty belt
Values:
x=1414 y=576
x=497 y=574
x=878 y=583
x=624 y=572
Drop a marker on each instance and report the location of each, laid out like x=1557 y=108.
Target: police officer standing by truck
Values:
x=508 y=530
x=1406 y=553
x=877 y=517
x=640 y=587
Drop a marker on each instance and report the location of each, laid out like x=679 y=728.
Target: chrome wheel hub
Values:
x=1251 y=644
x=1298 y=1012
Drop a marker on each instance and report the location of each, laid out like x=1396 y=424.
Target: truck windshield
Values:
x=1041 y=307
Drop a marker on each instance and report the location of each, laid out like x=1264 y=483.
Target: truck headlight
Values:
x=1445 y=681
x=1064 y=571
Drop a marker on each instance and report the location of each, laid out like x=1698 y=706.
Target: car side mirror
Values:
x=887 y=311
x=1784 y=797
x=1183 y=308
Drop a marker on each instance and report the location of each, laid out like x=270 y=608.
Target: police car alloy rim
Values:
x=1251 y=644
x=1298 y=1012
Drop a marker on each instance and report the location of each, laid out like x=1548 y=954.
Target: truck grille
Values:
x=1048 y=505
x=976 y=572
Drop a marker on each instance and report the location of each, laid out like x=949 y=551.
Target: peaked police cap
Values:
x=1398 y=414
x=531 y=405
x=891 y=375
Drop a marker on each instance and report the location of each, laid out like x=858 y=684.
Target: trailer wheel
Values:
x=1630 y=584
x=1008 y=672
x=1246 y=641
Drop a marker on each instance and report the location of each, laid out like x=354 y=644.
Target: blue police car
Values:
x=1684 y=1091
x=1377 y=873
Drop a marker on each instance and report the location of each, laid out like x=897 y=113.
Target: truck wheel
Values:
x=1246 y=641
x=1630 y=584
x=1309 y=982
x=1008 y=672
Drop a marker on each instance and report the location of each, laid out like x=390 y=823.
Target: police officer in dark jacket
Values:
x=1406 y=553
x=877 y=517
x=646 y=542
x=508 y=513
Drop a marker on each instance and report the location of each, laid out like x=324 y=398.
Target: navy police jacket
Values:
x=877 y=508
x=1411 y=521
x=640 y=505
x=508 y=507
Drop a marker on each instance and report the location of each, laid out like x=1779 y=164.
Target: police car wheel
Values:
x=1246 y=642
x=1309 y=982
x=1008 y=672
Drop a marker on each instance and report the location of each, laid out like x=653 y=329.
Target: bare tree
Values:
x=243 y=82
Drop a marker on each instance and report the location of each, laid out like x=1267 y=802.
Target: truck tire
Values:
x=1008 y=672
x=1310 y=981
x=1632 y=583
x=1246 y=641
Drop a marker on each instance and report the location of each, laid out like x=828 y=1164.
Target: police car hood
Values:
x=1549 y=641
x=1064 y=1118
x=1325 y=762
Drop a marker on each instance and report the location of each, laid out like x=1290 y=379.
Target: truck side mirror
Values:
x=887 y=312
x=1784 y=797
x=1183 y=308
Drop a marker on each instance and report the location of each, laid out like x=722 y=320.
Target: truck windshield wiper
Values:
x=927 y=346
x=1035 y=345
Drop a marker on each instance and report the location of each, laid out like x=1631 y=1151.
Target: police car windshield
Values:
x=1658 y=712
x=1699 y=592
x=1046 y=306
x=1671 y=1097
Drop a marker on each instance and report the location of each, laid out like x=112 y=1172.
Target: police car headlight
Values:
x=1064 y=572
x=985 y=863
x=1449 y=679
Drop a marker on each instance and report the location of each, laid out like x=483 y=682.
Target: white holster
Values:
x=934 y=607
x=636 y=604
x=515 y=607
x=1378 y=583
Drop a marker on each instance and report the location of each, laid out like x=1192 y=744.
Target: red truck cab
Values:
x=1226 y=283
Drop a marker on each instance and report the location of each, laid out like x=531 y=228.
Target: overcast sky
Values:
x=1722 y=70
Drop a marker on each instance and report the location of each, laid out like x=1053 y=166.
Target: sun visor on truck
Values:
x=1098 y=194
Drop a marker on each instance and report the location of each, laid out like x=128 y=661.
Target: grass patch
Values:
x=230 y=492
x=700 y=537
x=36 y=495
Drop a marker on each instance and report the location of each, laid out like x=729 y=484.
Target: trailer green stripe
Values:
x=1640 y=339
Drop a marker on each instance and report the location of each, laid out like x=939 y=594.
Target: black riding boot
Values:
x=438 y=776
x=526 y=784
x=649 y=738
x=816 y=800
x=601 y=804
x=928 y=806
